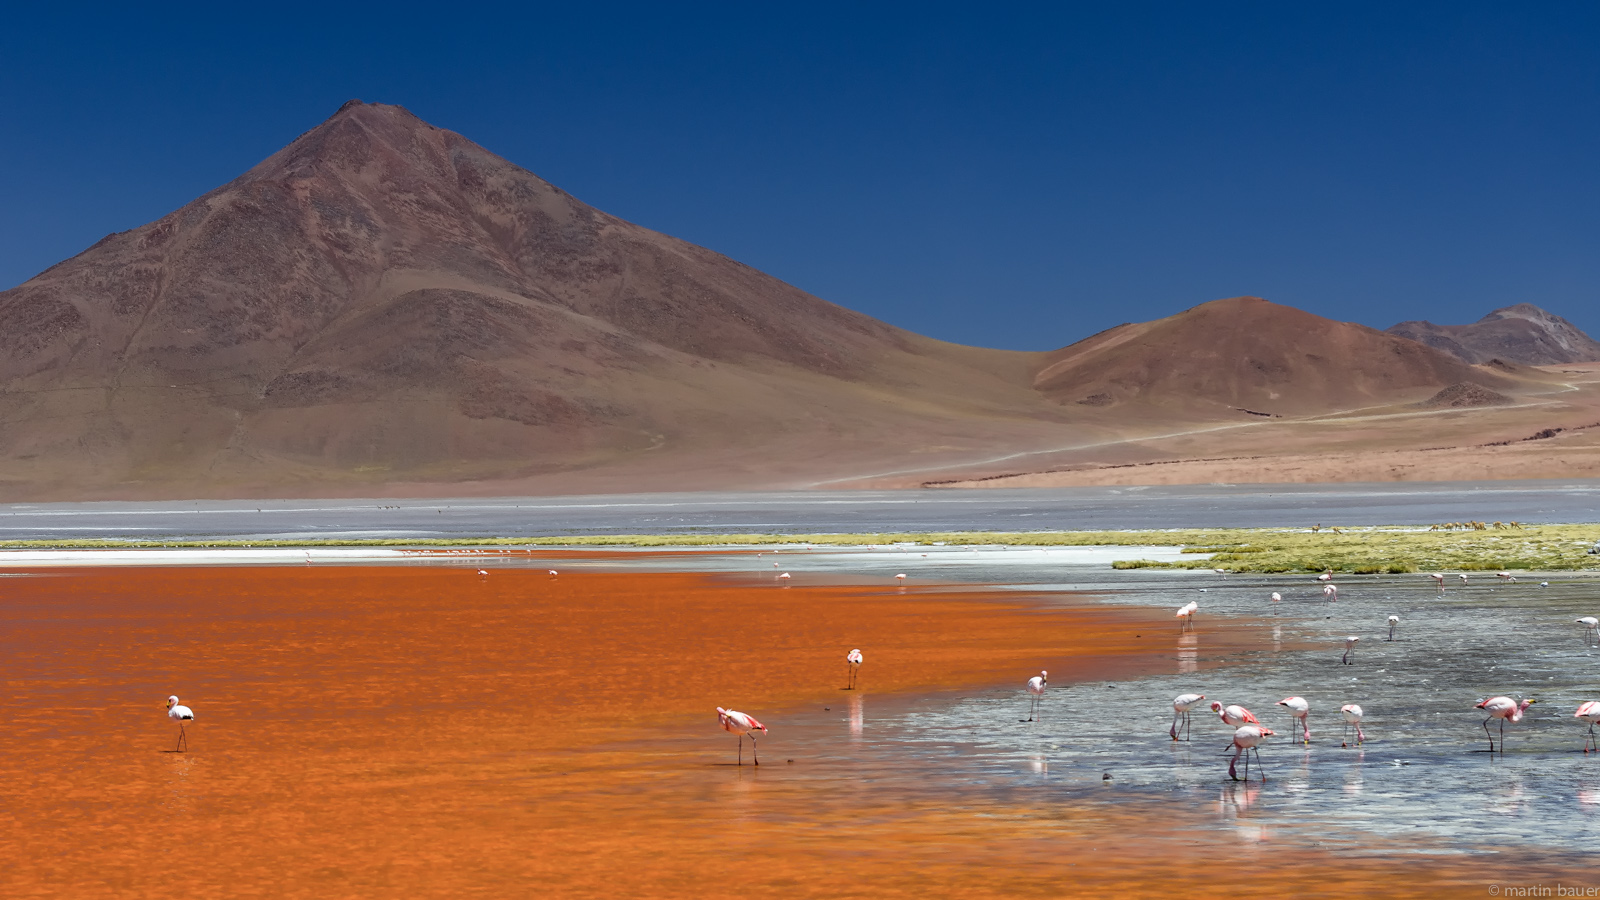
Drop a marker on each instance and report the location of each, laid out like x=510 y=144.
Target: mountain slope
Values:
x=1523 y=333
x=384 y=300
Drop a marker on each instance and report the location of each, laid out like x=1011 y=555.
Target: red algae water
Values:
x=427 y=732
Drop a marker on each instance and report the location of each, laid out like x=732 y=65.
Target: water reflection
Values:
x=856 y=716
x=1188 y=654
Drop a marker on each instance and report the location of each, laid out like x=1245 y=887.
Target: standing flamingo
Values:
x=1298 y=708
x=1180 y=712
x=181 y=715
x=901 y=578
x=1463 y=577
x=1438 y=580
x=1591 y=625
x=1245 y=741
x=1234 y=715
x=1331 y=591
x=1506 y=577
x=1394 y=622
x=853 y=660
x=741 y=724
x=1502 y=708
x=1276 y=597
x=1589 y=712
x=1185 y=616
x=1352 y=716
x=1036 y=686
x=784 y=577
x=1349 y=648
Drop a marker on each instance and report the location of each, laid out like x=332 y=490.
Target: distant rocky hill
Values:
x=1523 y=333
x=1250 y=355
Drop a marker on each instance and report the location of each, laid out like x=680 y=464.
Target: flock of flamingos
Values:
x=1248 y=733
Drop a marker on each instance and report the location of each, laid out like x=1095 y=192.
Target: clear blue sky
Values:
x=1017 y=178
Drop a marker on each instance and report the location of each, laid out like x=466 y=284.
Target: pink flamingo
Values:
x=1331 y=591
x=784 y=578
x=1591 y=626
x=1325 y=576
x=1036 y=686
x=182 y=715
x=1185 y=615
x=1180 y=712
x=1234 y=715
x=1502 y=708
x=1276 y=597
x=741 y=724
x=552 y=573
x=1245 y=741
x=1589 y=712
x=1352 y=716
x=1349 y=648
x=1438 y=579
x=1394 y=622
x=1506 y=577
x=853 y=659
x=1298 y=709
x=901 y=578
x=1463 y=577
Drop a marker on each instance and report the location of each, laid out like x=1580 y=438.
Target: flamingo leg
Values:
x=1231 y=773
x=1588 y=741
x=753 y=754
x=1360 y=738
x=1487 y=734
x=1260 y=769
x=1174 y=730
x=183 y=741
x=741 y=749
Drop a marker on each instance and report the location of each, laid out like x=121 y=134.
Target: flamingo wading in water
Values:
x=1298 y=709
x=1180 y=713
x=1185 y=616
x=1502 y=708
x=1244 y=742
x=182 y=715
x=1352 y=717
x=1394 y=622
x=1591 y=626
x=1331 y=591
x=1036 y=686
x=1589 y=712
x=1349 y=648
x=1234 y=715
x=853 y=659
x=741 y=724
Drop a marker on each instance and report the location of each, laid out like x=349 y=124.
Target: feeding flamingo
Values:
x=853 y=659
x=181 y=715
x=1506 y=577
x=552 y=573
x=1234 y=715
x=1352 y=716
x=1502 y=708
x=1591 y=625
x=741 y=724
x=1276 y=596
x=1589 y=712
x=1349 y=648
x=1180 y=712
x=1331 y=591
x=1463 y=577
x=1325 y=576
x=1394 y=622
x=1036 y=686
x=1298 y=708
x=1185 y=615
x=1438 y=579
x=1244 y=742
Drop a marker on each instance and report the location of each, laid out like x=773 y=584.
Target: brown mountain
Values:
x=1523 y=333
x=1246 y=353
x=384 y=301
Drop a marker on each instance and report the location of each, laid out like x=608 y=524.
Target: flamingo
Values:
x=1438 y=580
x=180 y=714
x=1244 y=742
x=1394 y=622
x=1352 y=716
x=1349 y=648
x=1185 y=615
x=1234 y=715
x=1589 y=712
x=1502 y=708
x=1180 y=712
x=1298 y=708
x=1506 y=577
x=552 y=573
x=1331 y=591
x=1036 y=686
x=741 y=724
x=1591 y=625
x=1325 y=576
x=1463 y=577
x=853 y=659
x=1276 y=596
x=784 y=578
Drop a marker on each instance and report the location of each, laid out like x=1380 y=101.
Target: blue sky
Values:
x=1020 y=177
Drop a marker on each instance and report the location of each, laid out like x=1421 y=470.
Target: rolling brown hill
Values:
x=1247 y=353
x=1523 y=333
